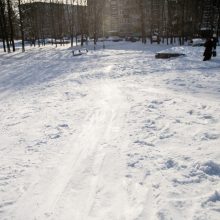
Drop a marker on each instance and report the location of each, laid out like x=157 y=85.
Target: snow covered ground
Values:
x=111 y=135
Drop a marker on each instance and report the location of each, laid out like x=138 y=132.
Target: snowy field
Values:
x=114 y=134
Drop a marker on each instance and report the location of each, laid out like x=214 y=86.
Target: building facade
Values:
x=122 y=17
x=163 y=17
x=133 y=17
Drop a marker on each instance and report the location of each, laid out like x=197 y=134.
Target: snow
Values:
x=112 y=134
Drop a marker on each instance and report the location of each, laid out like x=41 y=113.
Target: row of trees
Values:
x=6 y=24
x=179 y=18
x=37 y=20
x=169 y=19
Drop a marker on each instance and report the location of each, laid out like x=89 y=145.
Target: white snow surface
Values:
x=113 y=134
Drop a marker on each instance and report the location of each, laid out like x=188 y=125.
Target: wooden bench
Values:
x=79 y=52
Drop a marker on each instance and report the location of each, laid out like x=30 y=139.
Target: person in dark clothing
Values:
x=208 y=49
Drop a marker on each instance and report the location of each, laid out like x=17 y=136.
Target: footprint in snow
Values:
x=135 y=164
x=152 y=106
x=166 y=134
x=63 y=125
x=32 y=148
x=199 y=172
x=150 y=124
x=144 y=143
x=54 y=136
x=208 y=118
x=156 y=102
x=213 y=199
x=170 y=163
x=128 y=176
x=190 y=112
x=6 y=204
x=209 y=136
x=210 y=168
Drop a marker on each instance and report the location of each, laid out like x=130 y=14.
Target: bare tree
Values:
x=11 y=26
x=142 y=7
x=3 y=26
x=21 y=24
x=96 y=18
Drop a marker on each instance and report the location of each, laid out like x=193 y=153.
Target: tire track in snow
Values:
x=83 y=189
x=44 y=197
x=41 y=197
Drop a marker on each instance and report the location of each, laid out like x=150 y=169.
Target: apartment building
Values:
x=122 y=17
x=132 y=17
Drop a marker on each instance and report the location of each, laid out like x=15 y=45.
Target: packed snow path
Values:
x=113 y=135
x=87 y=167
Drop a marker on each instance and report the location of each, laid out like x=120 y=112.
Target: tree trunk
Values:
x=143 y=32
x=4 y=25
x=11 y=24
x=21 y=25
x=2 y=30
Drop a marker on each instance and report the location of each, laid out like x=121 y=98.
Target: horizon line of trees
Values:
x=35 y=21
